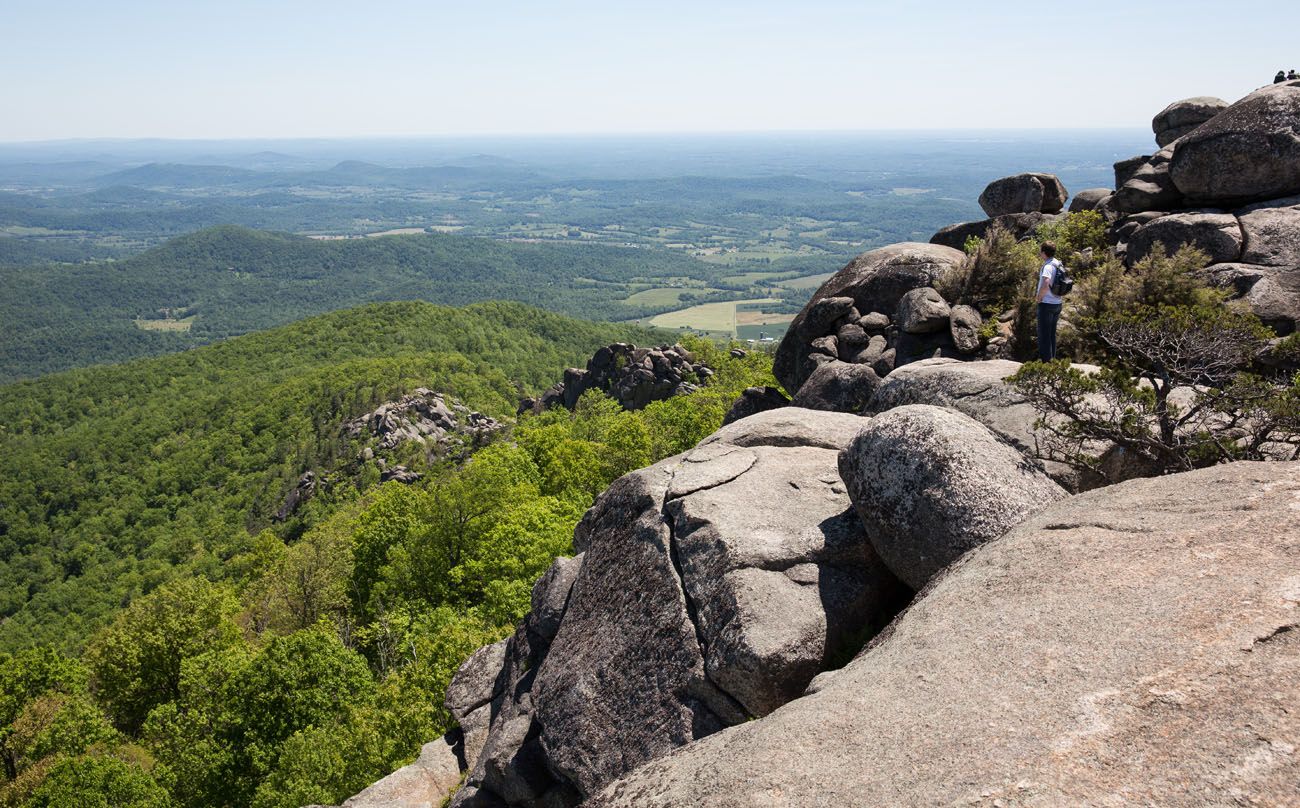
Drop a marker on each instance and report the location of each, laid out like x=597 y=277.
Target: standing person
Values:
x=1292 y=76
x=1049 y=305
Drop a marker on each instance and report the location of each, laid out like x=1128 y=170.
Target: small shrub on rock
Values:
x=1173 y=396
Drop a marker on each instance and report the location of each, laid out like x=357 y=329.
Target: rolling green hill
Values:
x=112 y=478
x=229 y=280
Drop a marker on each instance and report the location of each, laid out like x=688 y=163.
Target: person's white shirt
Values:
x=1045 y=277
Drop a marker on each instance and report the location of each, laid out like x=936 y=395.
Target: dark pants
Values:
x=1048 y=315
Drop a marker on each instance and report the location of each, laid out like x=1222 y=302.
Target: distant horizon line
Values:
x=563 y=135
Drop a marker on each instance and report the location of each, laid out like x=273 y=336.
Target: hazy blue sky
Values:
x=235 y=68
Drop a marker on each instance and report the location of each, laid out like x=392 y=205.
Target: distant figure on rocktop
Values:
x=1049 y=305
x=1292 y=76
x=1281 y=76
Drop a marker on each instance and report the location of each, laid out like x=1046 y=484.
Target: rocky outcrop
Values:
x=1150 y=187
x=1024 y=193
x=1217 y=234
x=864 y=292
x=1131 y=646
x=632 y=376
x=930 y=484
x=1089 y=199
x=1183 y=117
x=422 y=416
x=713 y=587
x=1249 y=151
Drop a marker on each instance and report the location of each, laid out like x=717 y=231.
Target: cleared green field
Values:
x=166 y=324
x=707 y=316
x=662 y=296
x=754 y=277
x=807 y=282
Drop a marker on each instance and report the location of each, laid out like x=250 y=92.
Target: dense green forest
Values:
x=231 y=280
x=167 y=644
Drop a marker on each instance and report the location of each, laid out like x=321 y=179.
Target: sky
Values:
x=269 y=69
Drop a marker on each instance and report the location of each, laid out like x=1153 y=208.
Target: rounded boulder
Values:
x=930 y=484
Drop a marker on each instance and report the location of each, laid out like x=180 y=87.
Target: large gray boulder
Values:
x=1126 y=168
x=872 y=283
x=1149 y=188
x=712 y=587
x=1271 y=293
x=1271 y=233
x=922 y=311
x=1088 y=199
x=838 y=387
x=930 y=484
x=1183 y=117
x=1217 y=234
x=1024 y=193
x=1249 y=151
x=1131 y=646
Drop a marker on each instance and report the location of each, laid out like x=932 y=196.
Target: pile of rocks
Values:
x=425 y=417
x=1227 y=181
x=632 y=376
x=878 y=313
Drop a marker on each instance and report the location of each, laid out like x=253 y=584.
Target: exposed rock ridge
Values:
x=632 y=376
x=1130 y=646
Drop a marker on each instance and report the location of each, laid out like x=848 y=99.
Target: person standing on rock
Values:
x=1292 y=76
x=1280 y=77
x=1049 y=305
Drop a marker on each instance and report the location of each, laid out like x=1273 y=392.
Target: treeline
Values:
x=239 y=280
x=276 y=665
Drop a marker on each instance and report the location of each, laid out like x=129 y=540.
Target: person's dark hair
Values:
x=1049 y=249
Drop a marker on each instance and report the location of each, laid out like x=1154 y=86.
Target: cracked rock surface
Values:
x=712 y=588
x=1136 y=645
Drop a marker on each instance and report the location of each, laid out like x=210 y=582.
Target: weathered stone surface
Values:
x=1149 y=188
x=1272 y=235
x=476 y=682
x=1218 y=234
x=624 y=680
x=754 y=400
x=1088 y=199
x=790 y=426
x=922 y=311
x=1182 y=117
x=874 y=322
x=1125 y=169
x=422 y=784
x=964 y=326
x=874 y=282
x=778 y=568
x=823 y=314
x=1272 y=293
x=839 y=387
x=680 y=620
x=1249 y=151
x=930 y=484
x=1024 y=193
x=550 y=598
x=1130 y=646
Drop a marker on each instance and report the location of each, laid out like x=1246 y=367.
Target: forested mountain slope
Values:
x=113 y=477
x=229 y=280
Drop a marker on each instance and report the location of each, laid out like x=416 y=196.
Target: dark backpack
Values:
x=1062 y=283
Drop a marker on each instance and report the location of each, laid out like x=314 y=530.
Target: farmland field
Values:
x=712 y=317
